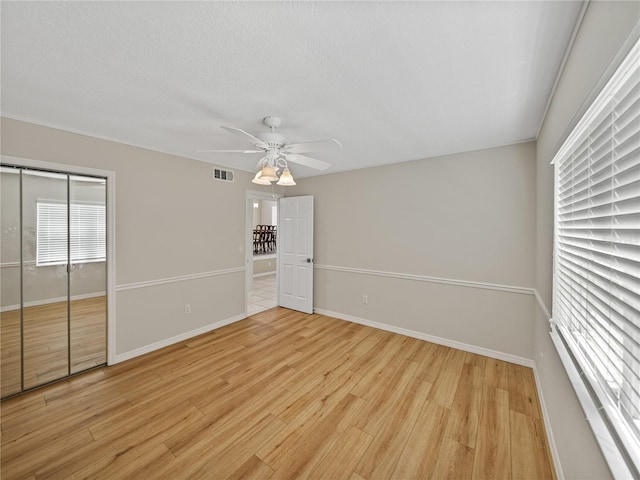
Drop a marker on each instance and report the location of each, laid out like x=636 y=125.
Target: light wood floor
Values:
x=284 y=395
x=46 y=341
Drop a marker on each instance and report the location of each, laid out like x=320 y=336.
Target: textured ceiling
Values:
x=392 y=81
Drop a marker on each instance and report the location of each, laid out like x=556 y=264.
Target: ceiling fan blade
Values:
x=306 y=161
x=313 y=146
x=230 y=151
x=256 y=140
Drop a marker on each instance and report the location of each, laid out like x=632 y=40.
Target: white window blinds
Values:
x=87 y=226
x=596 y=306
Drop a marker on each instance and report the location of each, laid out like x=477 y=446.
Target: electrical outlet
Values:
x=365 y=299
x=187 y=309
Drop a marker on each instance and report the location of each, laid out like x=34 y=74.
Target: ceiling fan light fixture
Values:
x=268 y=173
x=259 y=180
x=286 y=178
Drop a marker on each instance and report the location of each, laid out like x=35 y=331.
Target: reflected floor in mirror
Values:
x=46 y=337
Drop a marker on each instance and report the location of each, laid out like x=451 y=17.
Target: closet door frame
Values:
x=111 y=231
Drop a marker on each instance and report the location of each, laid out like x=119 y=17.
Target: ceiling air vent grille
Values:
x=223 y=175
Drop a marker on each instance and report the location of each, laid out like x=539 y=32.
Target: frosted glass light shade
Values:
x=259 y=180
x=269 y=173
x=286 y=178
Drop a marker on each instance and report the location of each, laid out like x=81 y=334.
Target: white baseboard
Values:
x=547 y=426
x=178 y=338
x=507 y=357
x=545 y=414
x=47 y=301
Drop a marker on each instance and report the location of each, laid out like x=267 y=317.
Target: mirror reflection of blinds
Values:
x=597 y=250
x=87 y=224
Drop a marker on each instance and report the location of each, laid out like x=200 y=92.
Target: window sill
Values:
x=607 y=443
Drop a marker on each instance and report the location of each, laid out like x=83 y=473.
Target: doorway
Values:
x=53 y=262
x=262 y=252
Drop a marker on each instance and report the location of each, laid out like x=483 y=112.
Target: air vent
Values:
x=223 y=175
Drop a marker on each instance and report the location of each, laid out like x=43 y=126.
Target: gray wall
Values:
x=264 y=266
x=604 y=29
x=172 y=220
x=262 y=214
x=468 y=217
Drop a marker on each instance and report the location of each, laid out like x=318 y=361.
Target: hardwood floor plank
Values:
x=252 y=469
x=411 y=348
x=421 y=451
x=283 y=395
x=465 y=409
x=221 y=454
x=496 y=374
x=148 y=467
x=522 y=395
x=224 y=417
x=378 y=368
x=329 y=388
x=445 y=386
x=18 y=462
x=382 y=455
x=52 y=424
x=120 y=466
x=384 y=394
x=342 y=458
x=367 y=350
x=108 y=449
x=431 y=361
x=476 y=360
x=493 y=446
x=455 y=461
x=302 y=458
x=227 y=399
x=528 y=455
x=277 y=450
x=141 y=418
x=23 y=405
x=327 y=359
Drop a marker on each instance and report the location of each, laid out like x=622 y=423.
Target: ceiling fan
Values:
x=277 y=152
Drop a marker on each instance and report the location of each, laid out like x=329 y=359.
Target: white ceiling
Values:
x=392 y=81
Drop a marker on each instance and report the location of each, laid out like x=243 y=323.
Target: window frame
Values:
x=69 y=224
x=620 y=447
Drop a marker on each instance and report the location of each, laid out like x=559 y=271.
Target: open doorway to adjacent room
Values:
x=262 y=253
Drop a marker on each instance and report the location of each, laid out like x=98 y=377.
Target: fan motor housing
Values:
x=272 y=139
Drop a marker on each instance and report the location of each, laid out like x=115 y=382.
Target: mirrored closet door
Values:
x=53 y=284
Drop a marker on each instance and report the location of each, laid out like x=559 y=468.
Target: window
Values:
x=596 y=309
x=88 y=233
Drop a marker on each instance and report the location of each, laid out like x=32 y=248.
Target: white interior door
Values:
x=295 y=253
